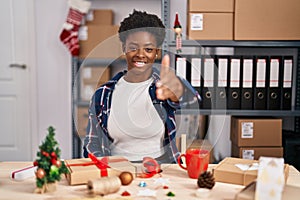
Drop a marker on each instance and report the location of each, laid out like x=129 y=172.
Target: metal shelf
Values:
x=165 y=8
x=235 y=43
x=91 y=62
x=82 y=103
x=240 y=112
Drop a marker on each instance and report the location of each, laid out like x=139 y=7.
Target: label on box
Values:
x=197 y=22
x=83 y=33
x=87 y=73
x=90 y=16
x=248 y=154
x=87 y=93
x=247 y=130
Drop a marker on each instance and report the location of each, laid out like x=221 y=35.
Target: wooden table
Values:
x=183 y=187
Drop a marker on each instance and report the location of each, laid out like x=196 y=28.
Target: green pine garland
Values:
x=50 y=167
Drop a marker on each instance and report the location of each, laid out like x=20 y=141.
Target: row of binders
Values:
x=239 y=82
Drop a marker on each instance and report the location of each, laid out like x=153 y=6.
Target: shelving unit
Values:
x=277 y=46
x=168 y=46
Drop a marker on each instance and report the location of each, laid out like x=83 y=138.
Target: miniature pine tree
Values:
x=49 y=165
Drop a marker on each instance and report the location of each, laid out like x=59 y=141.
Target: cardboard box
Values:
x=99 y=17
x=210 y=26
x=100 y=42
x=82 y=118
x=95 y=74
x=87 y=89
x=248 y=193
x=253 y=153
x=91 y=78
x=211 y=5
x=227 y=171
x=267 y=20
x=251 y=132
x=81 y=174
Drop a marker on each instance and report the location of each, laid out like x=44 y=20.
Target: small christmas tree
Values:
x=49 y=165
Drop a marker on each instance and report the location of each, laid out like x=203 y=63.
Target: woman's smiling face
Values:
x=141 y=51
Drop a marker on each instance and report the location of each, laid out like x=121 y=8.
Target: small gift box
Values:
x=239 y=171
x=23 y=173
x=248 y=193
x=84 y=169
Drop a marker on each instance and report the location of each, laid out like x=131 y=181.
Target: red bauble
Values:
x=53 y=161
x=35 y=163
x=58 y=163
x=40 y=173
x=53 y=155
x=44 y=153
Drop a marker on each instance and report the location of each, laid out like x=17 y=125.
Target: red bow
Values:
x=102 y=164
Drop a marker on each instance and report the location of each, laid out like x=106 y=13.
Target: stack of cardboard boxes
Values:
x=99 y=37
x=243 y=19
x=255 y=137
x=91 y=77
x=210 y=20
x=98 y=40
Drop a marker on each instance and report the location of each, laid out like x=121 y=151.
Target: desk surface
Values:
x=179 y=183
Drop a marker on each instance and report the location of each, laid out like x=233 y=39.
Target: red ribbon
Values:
x=150 y=165
x=101 y=164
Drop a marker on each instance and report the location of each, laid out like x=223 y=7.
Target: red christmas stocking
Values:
x=69 y=35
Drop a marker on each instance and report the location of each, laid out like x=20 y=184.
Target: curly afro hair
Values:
x=142 y=21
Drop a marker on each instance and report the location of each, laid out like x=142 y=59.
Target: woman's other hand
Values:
x=169 y=86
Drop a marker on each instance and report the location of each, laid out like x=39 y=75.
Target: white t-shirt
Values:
x=134 y=123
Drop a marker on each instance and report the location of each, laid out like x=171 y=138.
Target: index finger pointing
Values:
x=165 y=66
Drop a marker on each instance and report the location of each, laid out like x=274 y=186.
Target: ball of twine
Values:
x=103 y=186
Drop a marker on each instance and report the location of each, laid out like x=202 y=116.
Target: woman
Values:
x=132 y=115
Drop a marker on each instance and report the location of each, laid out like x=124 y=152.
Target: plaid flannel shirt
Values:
x=98 y=140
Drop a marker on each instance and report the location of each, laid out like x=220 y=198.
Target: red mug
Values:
x=196 y=161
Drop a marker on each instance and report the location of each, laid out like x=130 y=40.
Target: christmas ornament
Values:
x=48 y=163
x=150 y=167
x=142 y=184
x=125 y=193
x=126 y=178
x=170 y=194
x=165 y=187
x=40 y=173
x=206 y=180
x=57 y=163
x=178 y=36
x=69 y=35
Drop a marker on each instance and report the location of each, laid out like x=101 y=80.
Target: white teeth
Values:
x=140 y=64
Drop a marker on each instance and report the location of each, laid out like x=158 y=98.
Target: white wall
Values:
x=53 y=74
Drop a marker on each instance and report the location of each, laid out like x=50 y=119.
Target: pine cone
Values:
x=206 y=180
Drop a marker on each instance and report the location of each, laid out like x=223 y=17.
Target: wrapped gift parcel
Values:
x=270 y=178
x=248 y=193
x=239 y=171
x=84 y=169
